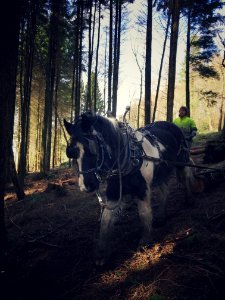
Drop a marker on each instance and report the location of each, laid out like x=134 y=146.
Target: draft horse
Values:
x=131 y=163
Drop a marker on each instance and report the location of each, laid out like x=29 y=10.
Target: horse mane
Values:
x=107 y=128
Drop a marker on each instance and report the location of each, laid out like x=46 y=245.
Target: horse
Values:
x=131 y=163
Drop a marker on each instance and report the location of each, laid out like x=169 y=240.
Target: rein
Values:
x=179 y=164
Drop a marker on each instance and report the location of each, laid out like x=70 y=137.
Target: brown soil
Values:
x=52 y=233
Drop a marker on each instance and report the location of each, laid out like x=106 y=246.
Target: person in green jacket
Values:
x=187 y=125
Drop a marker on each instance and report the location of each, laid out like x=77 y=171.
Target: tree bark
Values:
x=97 y=51
x=49 y=91
x=90 y=56
x=79 y=62
x=105 y=68
x=54 y=151
x=27 y=80
x=116 y=56
x=148 y=64
x=110 y=56
x=188 y=49
x=172 y=58
x=8 y=71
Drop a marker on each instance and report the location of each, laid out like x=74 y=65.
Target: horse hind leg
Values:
x=186 y=177
x=159 y=217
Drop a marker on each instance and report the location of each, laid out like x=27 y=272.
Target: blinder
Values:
x=92 y=146
x=72 y=152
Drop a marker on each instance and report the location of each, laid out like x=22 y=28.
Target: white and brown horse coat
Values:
x=99 y=146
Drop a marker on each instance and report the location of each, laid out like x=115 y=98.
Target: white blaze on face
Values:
x=147 y=167
x=79 y=162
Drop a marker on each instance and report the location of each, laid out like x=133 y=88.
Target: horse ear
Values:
x=88 y=119
x=68 y=127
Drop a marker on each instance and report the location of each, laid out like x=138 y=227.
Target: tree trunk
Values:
x=110 y=56
x=97 y=51
x=221 y=116
x=79 y=62
x=49 y=91
x=8 y=71
x=148 y=64
x=188 y=49
x=37 y=133
x=54 y=151
x=27 y=80
x=116 y=56
x=172 y=58
x=160 y=68
x=105 y=68
x=90 y=55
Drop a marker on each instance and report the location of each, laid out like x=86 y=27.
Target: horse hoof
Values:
x=101 y=256
x=100 y=262
x=144 y=243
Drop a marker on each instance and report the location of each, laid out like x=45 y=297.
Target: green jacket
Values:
x=187 y=125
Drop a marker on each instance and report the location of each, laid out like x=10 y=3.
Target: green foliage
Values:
x=99 y=100
x=209 y=97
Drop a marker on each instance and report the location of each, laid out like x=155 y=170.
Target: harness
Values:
x=129 y=156
x=98 y=147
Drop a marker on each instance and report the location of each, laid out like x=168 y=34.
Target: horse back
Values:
x=170 y=136
x=172 y=139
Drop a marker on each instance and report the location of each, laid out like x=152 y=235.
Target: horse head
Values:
x=93 y=142
x=84 y=148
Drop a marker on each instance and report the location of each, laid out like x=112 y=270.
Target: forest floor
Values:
x=53 y=231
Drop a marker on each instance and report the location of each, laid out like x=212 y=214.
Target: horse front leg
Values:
x=109 y=216
x=145 y=214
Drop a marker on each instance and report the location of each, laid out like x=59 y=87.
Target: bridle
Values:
x=97 y=147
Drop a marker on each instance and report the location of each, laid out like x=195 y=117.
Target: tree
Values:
x=8 y=71
x=175 y=12
x=94 y=92
x=50 y=83
x=97 y=55
x=26 y=71
x=200 y=18
x=116 y=60
x=110 y=55
x=148 y=64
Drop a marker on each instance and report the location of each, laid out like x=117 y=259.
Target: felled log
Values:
x=197 y=150
x=214 y=151
x=58 y=188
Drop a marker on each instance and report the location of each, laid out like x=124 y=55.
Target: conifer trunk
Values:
x=49 y=90
x=110 y=55
x=148 y=64
x=188 y=49
x=172 y=58
x=97 y=51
